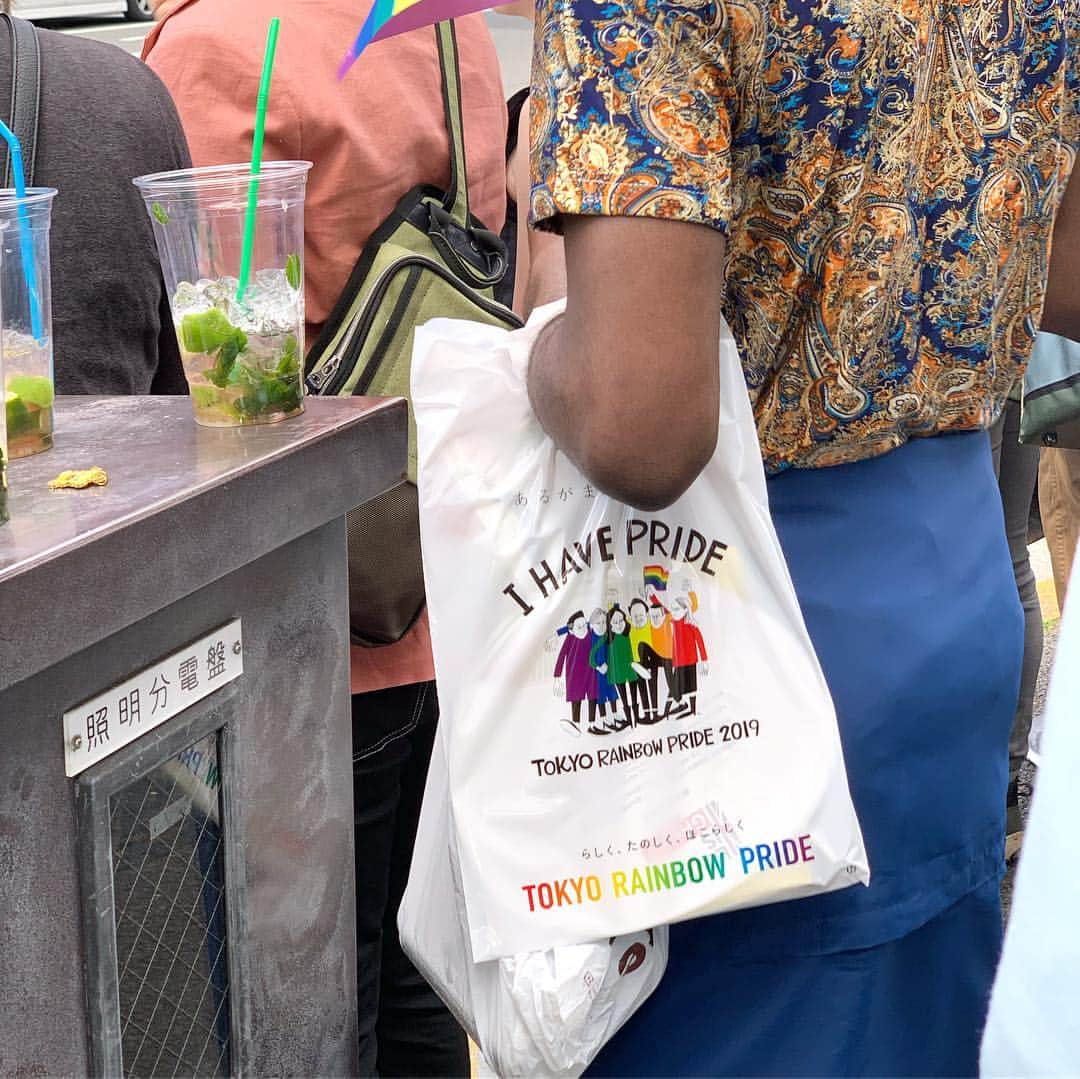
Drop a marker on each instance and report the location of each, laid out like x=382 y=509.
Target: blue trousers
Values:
x=904 y=578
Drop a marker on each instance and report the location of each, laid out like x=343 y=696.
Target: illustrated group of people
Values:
x=616 y=658
x=686 y=166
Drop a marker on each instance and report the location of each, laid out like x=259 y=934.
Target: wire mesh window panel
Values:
x=169 y=889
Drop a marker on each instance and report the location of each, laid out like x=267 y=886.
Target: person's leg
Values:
x=378 y=750
x=909 y=1007
x=385 y=725
x=1017 y=469
x=651 y=689
x=1059 y=507
x=678 y=705
x=925 y=739
x=690 y=688
x=417 y=1036
x=678 y=684
x=672 y=688
x=645 y=691
x=891 y=979
x=611 y=696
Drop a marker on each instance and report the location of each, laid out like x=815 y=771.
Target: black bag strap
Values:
x=456 y=202
x=25 y=95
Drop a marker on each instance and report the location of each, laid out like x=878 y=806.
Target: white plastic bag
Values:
x=536 y=1014
x=714 y=779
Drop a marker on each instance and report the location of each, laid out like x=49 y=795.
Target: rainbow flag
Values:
x=390 y=17
x=656 y=576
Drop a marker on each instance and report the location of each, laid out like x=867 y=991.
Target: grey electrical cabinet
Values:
x=176 y=832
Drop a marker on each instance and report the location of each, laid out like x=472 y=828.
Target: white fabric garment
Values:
x=1033 y=1028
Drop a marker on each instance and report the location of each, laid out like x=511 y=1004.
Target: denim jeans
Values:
x=404 y=1028
x=1017 y=469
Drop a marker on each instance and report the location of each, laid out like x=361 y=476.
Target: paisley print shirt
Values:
x=886 y=172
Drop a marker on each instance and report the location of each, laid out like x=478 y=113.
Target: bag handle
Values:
x=456 y=202
x=25 y=95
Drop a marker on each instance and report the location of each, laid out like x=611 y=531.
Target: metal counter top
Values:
x=184 y=506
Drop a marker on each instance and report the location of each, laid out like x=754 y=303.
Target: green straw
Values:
x=256 y=158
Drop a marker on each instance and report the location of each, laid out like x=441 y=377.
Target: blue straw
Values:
x=26 y=241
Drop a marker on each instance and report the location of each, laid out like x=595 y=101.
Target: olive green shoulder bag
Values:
x=430 y=259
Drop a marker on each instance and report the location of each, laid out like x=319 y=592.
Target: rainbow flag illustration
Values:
x=390 y=17
x=656 y=576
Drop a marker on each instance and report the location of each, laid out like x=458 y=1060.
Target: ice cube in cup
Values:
x=242 y=361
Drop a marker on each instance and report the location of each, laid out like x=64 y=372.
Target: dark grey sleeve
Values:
x=169 y=376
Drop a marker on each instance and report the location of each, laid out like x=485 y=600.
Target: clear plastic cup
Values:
x=243 y=357
x=27 y=333
x=4 y=514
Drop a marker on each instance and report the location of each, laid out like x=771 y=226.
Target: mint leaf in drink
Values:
x=226 y=359
x=288 y=365
x=159 y=213
x=254 y=399
x=292 y=270
x=18 y=415
x=262 y=392
x=206 y=331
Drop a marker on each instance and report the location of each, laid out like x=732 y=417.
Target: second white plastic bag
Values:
x=536 y=1014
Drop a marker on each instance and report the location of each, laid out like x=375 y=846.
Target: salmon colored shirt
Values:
x=372 y=137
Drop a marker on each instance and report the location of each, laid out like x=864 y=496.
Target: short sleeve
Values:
x=1059 y=86
x=1070 y=125
x=632 y=111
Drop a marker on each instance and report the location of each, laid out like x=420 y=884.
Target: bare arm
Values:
x=1061 y=313
x=627 y=382
x=542 y=248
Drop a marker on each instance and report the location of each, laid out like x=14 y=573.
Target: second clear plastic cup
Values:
x=243 y=356
x=26 y=296
x=4 y=514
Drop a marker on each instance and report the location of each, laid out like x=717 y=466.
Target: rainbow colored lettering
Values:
x=677 y=873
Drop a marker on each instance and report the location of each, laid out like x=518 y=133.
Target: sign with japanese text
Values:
x=111 y=720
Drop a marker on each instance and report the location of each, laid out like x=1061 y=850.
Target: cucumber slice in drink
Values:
x=33 y=389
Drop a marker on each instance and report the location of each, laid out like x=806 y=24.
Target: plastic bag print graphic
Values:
x=576 y=672
x=627 y=650
x=614 y=657
x=644 y=673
